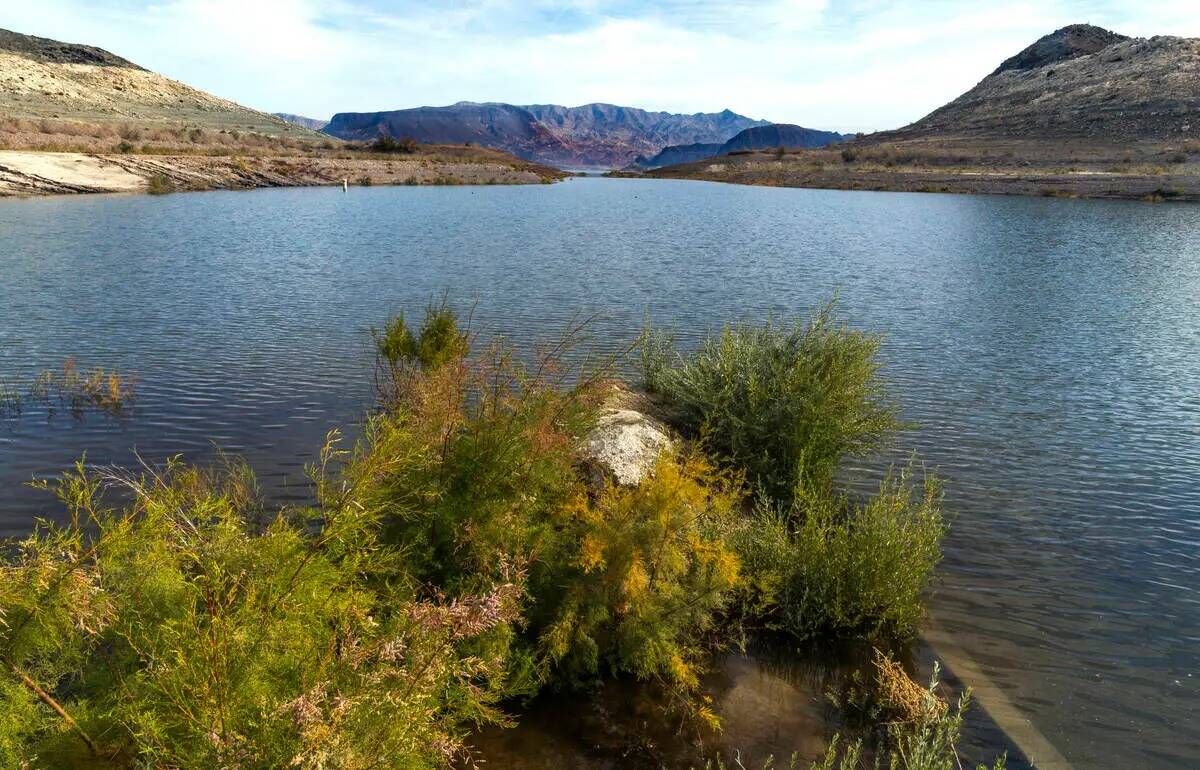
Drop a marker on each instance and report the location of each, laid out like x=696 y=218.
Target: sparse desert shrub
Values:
x=125 y=148
x=405 y=145
x=833 y=566
x=160 y=184
x=364 y=181
x=785 y=402
x=849 y=154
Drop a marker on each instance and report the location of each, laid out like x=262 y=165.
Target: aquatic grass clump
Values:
x=830 y=565
x=73 y=389
x=10 y=401
x=784 y=402
x=76 y=389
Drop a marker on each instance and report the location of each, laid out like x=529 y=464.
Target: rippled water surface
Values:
x=1049 y=350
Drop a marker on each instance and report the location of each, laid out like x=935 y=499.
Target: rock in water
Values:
x=626 y=444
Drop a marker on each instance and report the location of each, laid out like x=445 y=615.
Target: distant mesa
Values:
x=589 y=136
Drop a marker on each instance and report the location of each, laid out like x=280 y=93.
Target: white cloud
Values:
x=839 y=64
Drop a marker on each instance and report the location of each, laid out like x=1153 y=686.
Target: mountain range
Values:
x=589 y=136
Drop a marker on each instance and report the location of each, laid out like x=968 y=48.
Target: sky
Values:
x=846 y=65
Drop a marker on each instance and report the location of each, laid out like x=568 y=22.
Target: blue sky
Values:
x=849 y=65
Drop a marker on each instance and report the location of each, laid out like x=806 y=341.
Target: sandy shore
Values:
x=52 y=173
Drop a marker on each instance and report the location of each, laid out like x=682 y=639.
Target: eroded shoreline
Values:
x=26 y=173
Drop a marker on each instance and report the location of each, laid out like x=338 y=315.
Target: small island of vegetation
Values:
x=463 y=556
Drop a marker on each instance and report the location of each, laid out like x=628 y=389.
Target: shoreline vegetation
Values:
x=464 y=555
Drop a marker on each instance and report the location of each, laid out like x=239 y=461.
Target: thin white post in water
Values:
x=345 y=185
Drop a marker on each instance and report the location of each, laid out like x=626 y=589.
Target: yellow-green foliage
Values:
x=473 y=466
x=830 y=565
x=639 y=573
x=784 y=402
x=174 y=633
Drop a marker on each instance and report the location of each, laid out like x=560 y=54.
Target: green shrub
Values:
x=473 y=464
x=177 y=632
x=438 y=341
x=784 y=402
x=832 y=566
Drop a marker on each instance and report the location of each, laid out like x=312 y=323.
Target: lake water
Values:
x=1049 y=350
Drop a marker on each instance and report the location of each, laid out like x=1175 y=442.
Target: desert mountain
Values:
x=590 y=136
x=48 y=79
x=315 y=124
x=765 y=137
x=1080 y=82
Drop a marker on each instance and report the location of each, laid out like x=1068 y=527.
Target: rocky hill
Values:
x=765 y=137
x=51 y=80
x=781 y=135
x=678 y=153
x=590 y=136
x=1079 y=82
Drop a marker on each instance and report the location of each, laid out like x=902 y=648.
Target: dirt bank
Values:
x=50 y=173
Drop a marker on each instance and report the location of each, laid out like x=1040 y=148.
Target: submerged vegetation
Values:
x=72 y=389
x=459 y=558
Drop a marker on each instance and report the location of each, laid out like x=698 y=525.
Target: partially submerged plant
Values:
x=832 y=565
x=923 y=736
x=787 y=403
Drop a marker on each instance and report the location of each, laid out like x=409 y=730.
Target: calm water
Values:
x=1049 y=349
